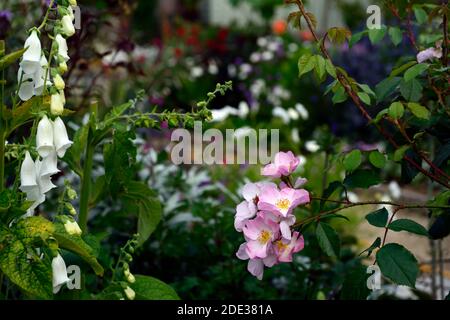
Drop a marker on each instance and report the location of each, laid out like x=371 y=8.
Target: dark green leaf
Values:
x=377 y=159
x=328 y=240
x=419 y=111
x=396 y=110
x=373 y=246
x=353 y=160
x=408 y=225
x=376 y=35
x=396 y=35
x=148 y=288
x=378 y=218
x=415 y=71
x=386 y=88
x=141 y=200
x=411 y=90
x=398 y=264
x=362 y=179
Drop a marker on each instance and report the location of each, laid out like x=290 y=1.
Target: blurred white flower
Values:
x=295 y=135
x=67 y=25
x=312 y=146
x=352 y=197
x=262 y=42
x=293 y=114
x=197 y=72
x=304 y=114
x=222 y=114
x=395 y=190
x=213 y=68
x=232 y=70
x=267 y=55
x=255 y=57
x=281 y=113
x=62 y=47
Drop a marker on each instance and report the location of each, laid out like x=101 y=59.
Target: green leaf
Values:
x=306 y=64
x=353 y=160
x=77 y=245
x=330 y=190
x=419 y=111
x=330 y=68
x=378 y=218
x=328 y=240
x=355 y=284
x=386 y=88
x=399 y=154
x=148 y=288
x=396 y=35
x=396 y=110
x=340 y=95
x=377 y=159
x=362 y=179
x=320 y=68
x=11 y=58
x=398 y=264
x=141 y=200
x=18 y=258
x=411 y=90
x=408 y=225
x=376 y=35
x=399 y=70
x=421 y=15
x=365 y=98
x=356 y=38
x=367 y=89
x=380 y=115
x=415 y=71
x=120 y=159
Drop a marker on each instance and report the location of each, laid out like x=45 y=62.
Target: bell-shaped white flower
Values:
x=59 y=82
x=44 y=137
x=31 y=57
x=40 y=75
x=59 y=271
x=57 y=103
x=67 y=25
x=44 y=181
x=26 y=85
x=49 y=165
x=61 y=139
x=28 y=174
x=63 y=49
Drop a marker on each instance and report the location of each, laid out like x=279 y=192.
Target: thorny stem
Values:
x=353 y=95
x=2 y=123
x=348 y=205
x=386 y=228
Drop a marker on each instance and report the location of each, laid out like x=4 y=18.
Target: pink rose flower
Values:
x=429 y=54
x=282 y=202
x=260 y=233
x=284 y=164
x=284 y=249
x=256 y=266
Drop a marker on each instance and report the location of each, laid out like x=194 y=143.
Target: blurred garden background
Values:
x=172 y=53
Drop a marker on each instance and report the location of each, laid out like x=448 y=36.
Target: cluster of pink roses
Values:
x=266 y=216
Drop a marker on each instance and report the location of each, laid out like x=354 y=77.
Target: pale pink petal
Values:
x=252 y=228
x=285 y=230
x=270 y=261
x=270 y=171
x=256 y=249
x=300 y=182
x=256 y=268
x=250 y=191
x=242 y=254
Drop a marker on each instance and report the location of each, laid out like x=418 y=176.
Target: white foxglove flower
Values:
x=44 y=181
x=72 y=228
x=303 y=112
x=62 y=47
x=61 y=139
x=40 y=75
x=28 y=174
x=44 y=137
x=59 y=271
x=49 y=165
x=59 y=82
x=26 y=83
x=67 y=25
x=31 y=57
x=73 y=3
x=312 y=146
x=57 y=103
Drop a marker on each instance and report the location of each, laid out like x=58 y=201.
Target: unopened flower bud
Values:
x=67 y=26
x=59 y=82
x=72 y=228
x=130 y=293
